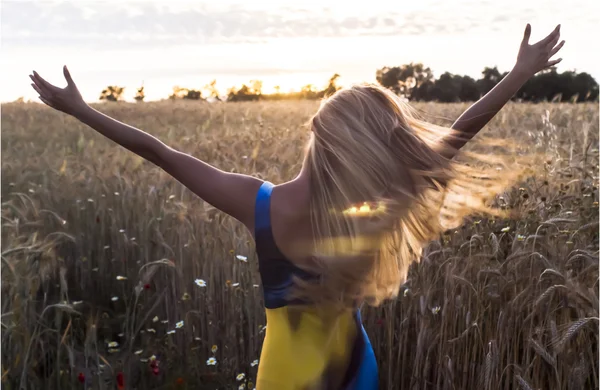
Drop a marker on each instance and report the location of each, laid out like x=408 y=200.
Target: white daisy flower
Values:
x=106 y=246
x=155 y=319
x=114 y=299
x=90 y=200
x=77 y=302
x=139 y=352
x=505 y=230
x=121 y=230
x=172 y=197
x=254 y=363
x=165 y=321
x=240 y=377
x=152 y=358
x=116 y=194
x=242 y=258
x=235 y=284
x=255 y=286
x=171 y=331
x=211 y=362
x=435 y=309
x=200 y=283
x=121 y=277
x=113 y=344
x=151 y=330
x=242 y=386
x=179 y=325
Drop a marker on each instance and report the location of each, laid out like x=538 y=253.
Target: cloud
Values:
x=121 y=24
x=117 y=25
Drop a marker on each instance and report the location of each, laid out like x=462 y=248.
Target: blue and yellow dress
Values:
x=305 y=348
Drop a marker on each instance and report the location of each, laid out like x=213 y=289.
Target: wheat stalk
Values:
x=571 y=331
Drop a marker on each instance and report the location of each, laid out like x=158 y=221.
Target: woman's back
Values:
x=305 y=347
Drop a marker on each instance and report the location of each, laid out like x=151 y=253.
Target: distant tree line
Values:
x=413 y=81
x=416 y=82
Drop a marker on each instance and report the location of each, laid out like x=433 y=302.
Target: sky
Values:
x=163 y=43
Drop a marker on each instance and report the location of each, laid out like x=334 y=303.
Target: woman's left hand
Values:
x=536 y=57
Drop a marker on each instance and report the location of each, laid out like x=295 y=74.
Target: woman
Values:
x=376 y=184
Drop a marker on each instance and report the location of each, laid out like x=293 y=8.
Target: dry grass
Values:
x=488 y=307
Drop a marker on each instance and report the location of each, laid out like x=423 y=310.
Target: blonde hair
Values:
x=371 y=154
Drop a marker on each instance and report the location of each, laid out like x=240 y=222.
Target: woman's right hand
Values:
x=67 y=100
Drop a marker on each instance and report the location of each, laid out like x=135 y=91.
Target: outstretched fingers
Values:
x=556 y=49
x=552 y=63
x=553 y=42
x=38 y=89
x=554 y=35
x=44 y=84
x=68 y=76
x=527 y=34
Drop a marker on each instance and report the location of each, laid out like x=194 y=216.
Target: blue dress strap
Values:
x=276 y=272
x=262 y=209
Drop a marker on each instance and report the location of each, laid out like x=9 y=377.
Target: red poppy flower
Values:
x=81 y=377
x=155 y=371
x=120 y=381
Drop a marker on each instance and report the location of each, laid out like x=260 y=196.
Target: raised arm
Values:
x=230 y=192
x=530 y=60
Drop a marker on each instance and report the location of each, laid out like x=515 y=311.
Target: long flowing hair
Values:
x=383 y=184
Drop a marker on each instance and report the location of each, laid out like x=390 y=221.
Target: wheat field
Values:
x=115 y=276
